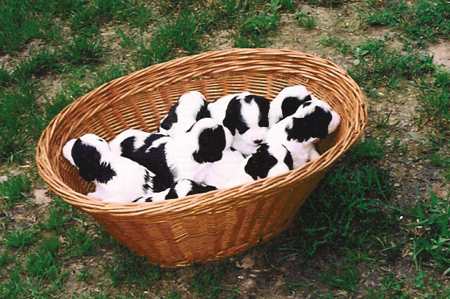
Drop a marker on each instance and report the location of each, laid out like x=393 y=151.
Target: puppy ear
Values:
x=170 y=118
x=87 y=159
x=291 y=104
x=313 y=125
x=233 y=119
x=260 y=163
x=264 y=107
x=211 y=143
x=203 y=112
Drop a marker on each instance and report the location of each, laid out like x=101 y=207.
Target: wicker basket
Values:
x=216 y=224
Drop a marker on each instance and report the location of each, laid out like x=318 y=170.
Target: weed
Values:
x=84 y=49
x=5 y=77
x=422 y=21
x=431 y=236
x=5 y=259
x=18 y=25
x=305 y=20
x=332 y=41
x=173 y=295
x=376 y=66
x=43 y=263
x=84 y=275
x=367 y=150
x=183 y=34
x=128 y=268
x=59 y=214
x=253 y=32
x=79 y=243
x=21 y=238
x=206 y=281
x=435 y=100
x=391 y=287
x=327 y=3
x=14 y=190
x=37 y=65
x=17 y=112
x=349 y=207
x=343 y=277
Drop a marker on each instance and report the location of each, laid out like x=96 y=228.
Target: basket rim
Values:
x=197 y=201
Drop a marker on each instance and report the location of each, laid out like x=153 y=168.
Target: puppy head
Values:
x=313 y=124
x=212 y=139
x=287 y=102
x=89 y=154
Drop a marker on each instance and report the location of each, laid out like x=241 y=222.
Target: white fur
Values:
x=180 y=150
x=126 y=185
x=218 y=108
x=189 y=105
x=228 y=172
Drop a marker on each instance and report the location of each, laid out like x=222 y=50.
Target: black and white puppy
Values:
x=117 y=179
x=246 y=116
x=190 y=108
x=147 y=149
x=287 y=102
x=299 y=131
x=190 y=156
x=233 y=169
x=186 y=187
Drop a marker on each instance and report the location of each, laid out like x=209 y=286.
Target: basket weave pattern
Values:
x=220 y=223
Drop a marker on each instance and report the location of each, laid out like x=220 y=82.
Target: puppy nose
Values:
x=258 y=141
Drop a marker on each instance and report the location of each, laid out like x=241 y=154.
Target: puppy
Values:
x=233 y=169
x=117 y=179
x=246 y=116
x=190 y=155
x=269 y=160
x=149 y=150
x=190 y=108
x=298 y=132
x=186 y=187
x=287 y=102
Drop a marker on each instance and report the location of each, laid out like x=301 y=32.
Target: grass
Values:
x=206 y=282
x=350 y=207
x=332 y=41
x=254 y=31
x=376 y=65
x=431 y=236
x=421 y=21
x=305 y=20
x=21 y=238
x=15 y=190
x=352 y=228
x=127 y=268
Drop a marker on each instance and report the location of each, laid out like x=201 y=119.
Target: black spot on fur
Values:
x=211 y=143
x=170 y=119
x=291 y=104
x=288 y=160
x=148 y=199
x=260 y=163
x=264 y=106
x=233 y=117
x=140 y=197
x=87 y=159
x=313 y=125
x=172 y=194
x=154 y=159
x=203 y=112
x=200 y=188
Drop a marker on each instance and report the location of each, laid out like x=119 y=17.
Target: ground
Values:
x=376 y=227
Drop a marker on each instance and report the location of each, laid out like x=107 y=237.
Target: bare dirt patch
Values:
x=441 y=53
